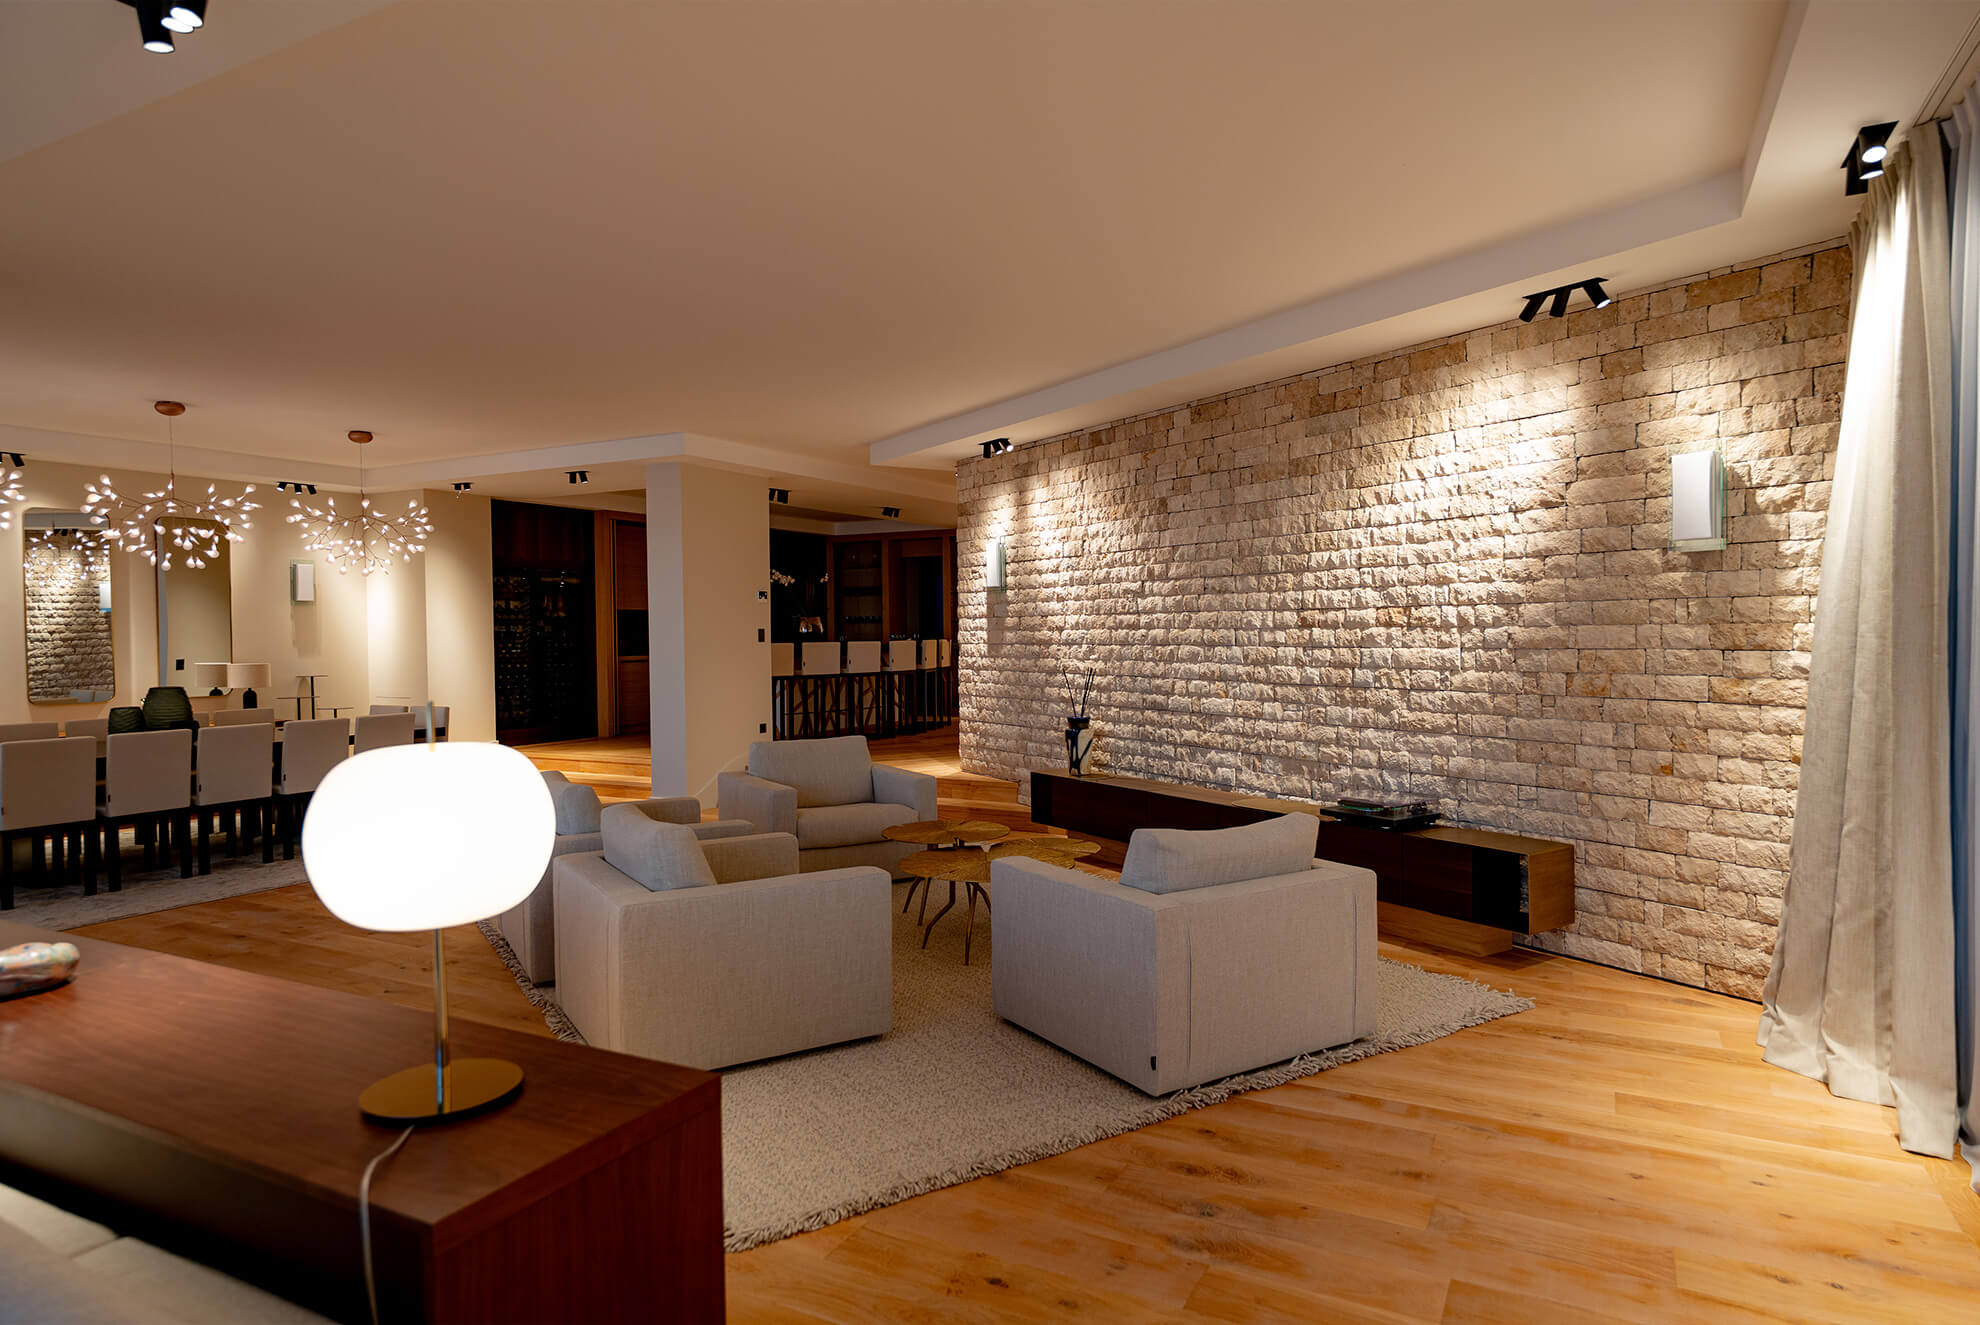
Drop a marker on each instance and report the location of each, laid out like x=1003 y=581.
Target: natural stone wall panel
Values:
x=1445 y=572
x=68 y=634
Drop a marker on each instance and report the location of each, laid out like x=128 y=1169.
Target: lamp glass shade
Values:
x=246 y=675
x=413 y=837
x=210 y=675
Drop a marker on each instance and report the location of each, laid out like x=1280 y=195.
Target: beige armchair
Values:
x=710 y=953
x=531 y=926
x=1218 y=952
x=832 y=797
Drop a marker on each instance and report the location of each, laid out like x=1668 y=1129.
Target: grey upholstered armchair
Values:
x=832 y=797
x=530 y=927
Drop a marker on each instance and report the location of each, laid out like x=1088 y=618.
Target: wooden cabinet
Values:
x=1466 y=888
x=892 y=586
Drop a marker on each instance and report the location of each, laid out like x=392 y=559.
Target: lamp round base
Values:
x=474 y=1085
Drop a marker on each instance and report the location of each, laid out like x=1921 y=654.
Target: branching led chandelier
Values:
x=361 y=539
x=12 y=493
x=197 y=525
x=59 y=558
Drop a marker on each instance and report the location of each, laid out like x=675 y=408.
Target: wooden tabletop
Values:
x=974 y=866
x=945 y=832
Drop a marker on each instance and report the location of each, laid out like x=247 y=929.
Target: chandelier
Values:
x=58 y=559
x=11 y=491
x=361 y=539
x=198 y=524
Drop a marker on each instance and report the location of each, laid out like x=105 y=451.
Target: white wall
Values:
x=460 y=614
x=708 y=557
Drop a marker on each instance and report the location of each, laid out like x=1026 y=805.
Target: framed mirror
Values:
x=65 y=563
x=195 y=608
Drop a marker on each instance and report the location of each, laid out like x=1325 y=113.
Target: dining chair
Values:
x=377 y=730
x=439 y=721
x=48 y=790
x=147 y=781
x=309 y=751
x=86 y=727
x=28 y=731
x=377 y=709
x=234 y=777
x=243 y=717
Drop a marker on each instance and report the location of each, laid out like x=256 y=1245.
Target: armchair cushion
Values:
x=670 y=809
x=758 y=856
x=662 y=857
x=834 y=771
x=1172 y=860
x=849 y=825
x=576 y=804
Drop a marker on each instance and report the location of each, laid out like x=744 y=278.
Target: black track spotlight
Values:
x=782 y=496
x=1532 y=309
x=996 y=446
x=311 y=487
x=890 y=512
x=1560 y=301
x=152 y=32
x=19 y=462
x=577 y=476
x=464 y=487
x=1596 y=294
x=1865 y=158
x=1561 y=294
x=185 y=15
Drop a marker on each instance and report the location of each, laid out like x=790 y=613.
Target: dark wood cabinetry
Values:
x=545 y=685
x=892 y=586
x=1466 y=888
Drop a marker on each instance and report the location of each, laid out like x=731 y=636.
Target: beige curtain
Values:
x=1861 y=990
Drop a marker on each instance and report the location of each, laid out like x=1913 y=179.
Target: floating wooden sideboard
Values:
x=1468 y=889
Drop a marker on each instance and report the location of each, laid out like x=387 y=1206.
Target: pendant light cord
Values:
x=364 y=1219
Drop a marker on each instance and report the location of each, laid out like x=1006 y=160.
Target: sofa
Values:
x=832 y=797
x=1217 y=952
x=711 y=952
x=530 y=926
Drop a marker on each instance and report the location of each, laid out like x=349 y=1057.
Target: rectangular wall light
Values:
x=302 y=581
x=993 y=564
x=1698 y=501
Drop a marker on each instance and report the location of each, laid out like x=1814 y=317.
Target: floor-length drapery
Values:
x=1962 y=134
x=1860 y=994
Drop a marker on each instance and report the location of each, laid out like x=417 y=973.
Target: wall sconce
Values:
x=103 y=595
x=302 y=581
x=1698 y=501
x=993 y=564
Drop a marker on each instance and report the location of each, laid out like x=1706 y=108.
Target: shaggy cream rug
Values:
x=63 y=906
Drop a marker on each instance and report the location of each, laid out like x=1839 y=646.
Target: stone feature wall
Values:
x=68 y=633
x=1445 y=573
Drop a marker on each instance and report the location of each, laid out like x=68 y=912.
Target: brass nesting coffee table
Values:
x=961 y=853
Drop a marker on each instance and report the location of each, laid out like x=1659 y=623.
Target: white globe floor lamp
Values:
x=414 y=837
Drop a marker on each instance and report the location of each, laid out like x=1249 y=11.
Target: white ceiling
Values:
x=814 y=233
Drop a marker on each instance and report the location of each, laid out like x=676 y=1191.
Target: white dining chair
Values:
x=243 y=717
x=28 y=731
x=377 y=730
x=234 y=777
x=48 y=791
x=309 y=751
x=86 y=727
x=377 y=709
x=439 y=713
x=147 y=782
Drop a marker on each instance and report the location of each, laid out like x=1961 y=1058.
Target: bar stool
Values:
x=235 y=778
x=147 y=781
x=945 y=667
x=48 y=789
x=927 y=706
x=824 y=671
x=900 y=662
x=865 y=686
x=783 y=684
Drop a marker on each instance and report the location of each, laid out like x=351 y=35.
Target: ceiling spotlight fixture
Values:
x=782 y=496
x=890 y=512
x=1560 y=295
x=578 y=475
x=361 y=539
x=464 y=487
x=1865 y=159
x=199 y=524
x=996 y=446
x=158 y=20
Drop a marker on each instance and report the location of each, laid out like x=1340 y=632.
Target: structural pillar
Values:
x=708 y=620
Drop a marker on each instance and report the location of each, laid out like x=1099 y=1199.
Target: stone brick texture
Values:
x=68 y=635
x=1445 y=573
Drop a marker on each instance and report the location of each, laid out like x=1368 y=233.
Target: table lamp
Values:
x=212 y=675
x=412 y=837
x=246 y=676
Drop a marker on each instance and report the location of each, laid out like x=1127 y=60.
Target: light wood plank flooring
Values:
x=1620 y=1152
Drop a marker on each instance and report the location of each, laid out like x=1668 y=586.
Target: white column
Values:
x=707 y=560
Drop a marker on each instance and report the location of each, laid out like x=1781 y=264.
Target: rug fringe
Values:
x=554 y=1016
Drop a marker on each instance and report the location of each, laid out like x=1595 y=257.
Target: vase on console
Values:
x=1079 y=723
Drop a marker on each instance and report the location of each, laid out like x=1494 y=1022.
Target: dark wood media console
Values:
x=1469 y=889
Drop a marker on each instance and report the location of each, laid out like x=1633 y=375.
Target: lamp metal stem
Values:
x=439 y=1023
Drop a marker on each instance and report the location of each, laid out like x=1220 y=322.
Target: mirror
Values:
x=195 y=607
x=66 y=566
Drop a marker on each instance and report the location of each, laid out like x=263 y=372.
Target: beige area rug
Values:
x=145 y=891
x=954 y=1092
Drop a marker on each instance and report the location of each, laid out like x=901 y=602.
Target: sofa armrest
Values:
x=708 y=829
x=771 y=806
x=1100 y=970
x=900 y=786
x=671 y=809
x=759 y=856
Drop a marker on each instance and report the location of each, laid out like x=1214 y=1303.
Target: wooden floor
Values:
x=1620 y=1152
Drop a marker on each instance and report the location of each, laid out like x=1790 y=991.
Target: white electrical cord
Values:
x=364 y=1218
